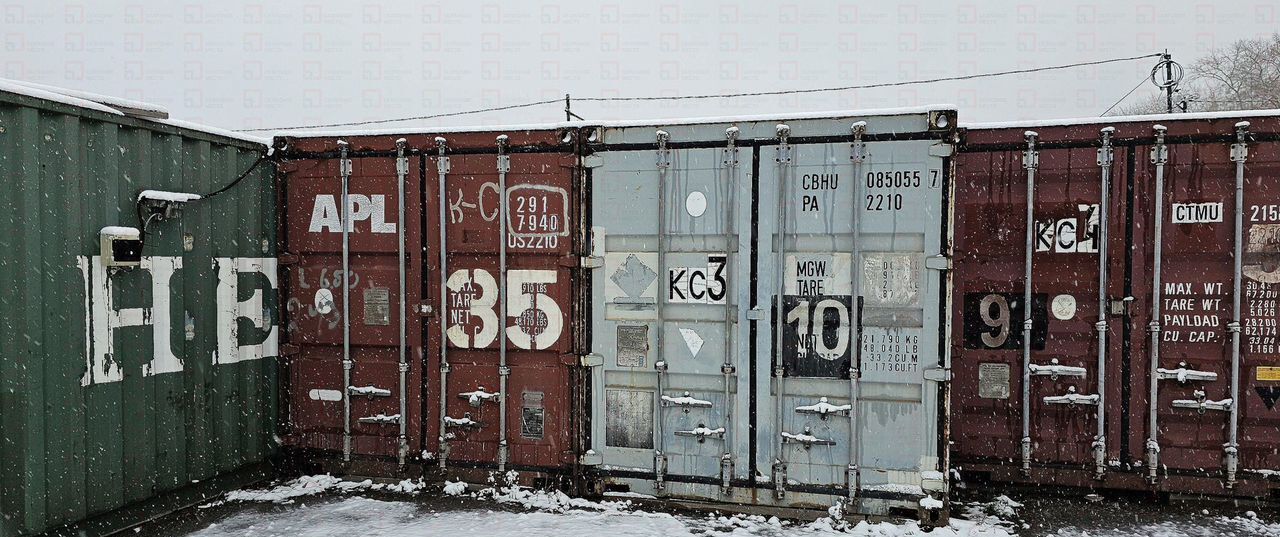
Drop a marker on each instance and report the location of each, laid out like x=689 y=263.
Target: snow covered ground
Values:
x=323 y=506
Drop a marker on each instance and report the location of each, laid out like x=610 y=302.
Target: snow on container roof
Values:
x=20 y=89
x=331 y=133
x=125 y=106
x=1067 y=122
x=118 y=107
x=791 y=116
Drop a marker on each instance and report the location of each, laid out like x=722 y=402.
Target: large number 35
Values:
x=540 y=321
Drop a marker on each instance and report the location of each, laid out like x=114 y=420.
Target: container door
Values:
x=357 y=411
x=669 y=225
x=1069 y=334
x=1072 y=377
x=503 y=393
x=850 y=243
x=1199 y=421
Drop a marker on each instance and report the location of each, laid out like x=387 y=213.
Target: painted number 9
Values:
x=997 y=321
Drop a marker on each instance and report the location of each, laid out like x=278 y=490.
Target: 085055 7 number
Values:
x=894 y=179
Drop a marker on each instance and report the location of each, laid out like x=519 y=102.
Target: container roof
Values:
x=780 y=116
x=117 y=107
x=1067 y=122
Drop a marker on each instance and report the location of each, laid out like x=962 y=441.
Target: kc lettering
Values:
x=699 y=285
x=325 y=215
x=1074 y=234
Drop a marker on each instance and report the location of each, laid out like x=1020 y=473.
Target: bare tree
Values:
x=1244 y=75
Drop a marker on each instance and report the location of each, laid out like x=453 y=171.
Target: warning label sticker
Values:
x=993 y=381
x=1268 y=373
x=891 y=279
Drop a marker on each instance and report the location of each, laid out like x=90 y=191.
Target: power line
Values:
x=872 y=86
x=724 y=95
x=414 y=118
x=1126 y=96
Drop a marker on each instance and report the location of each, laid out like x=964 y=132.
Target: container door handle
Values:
x=1071 y=398
x=823 y=408
x=1054 y=370
x=805 y=439
x=685 y=402
x=702 y=432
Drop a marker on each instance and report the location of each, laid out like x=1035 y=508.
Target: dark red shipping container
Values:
x=1133 y=285
x=491 y=218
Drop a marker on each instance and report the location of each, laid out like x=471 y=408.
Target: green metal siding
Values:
x=69 y=451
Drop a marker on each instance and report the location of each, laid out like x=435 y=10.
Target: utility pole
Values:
x=568 y=114
x=1168 y=75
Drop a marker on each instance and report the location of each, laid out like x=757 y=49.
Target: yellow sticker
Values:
x=1268 y=373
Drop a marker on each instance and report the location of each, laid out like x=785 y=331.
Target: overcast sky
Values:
x=250 y=64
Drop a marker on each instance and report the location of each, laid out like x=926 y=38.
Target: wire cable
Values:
x=241 y=177
x=1126 y=96
x=413 y=118
x=871 y=86
x=721 y=95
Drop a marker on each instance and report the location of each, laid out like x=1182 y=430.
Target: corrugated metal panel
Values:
x=75 y=443
x=769 y=312
x=1176 y=345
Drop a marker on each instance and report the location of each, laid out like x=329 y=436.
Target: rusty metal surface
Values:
x=314 y=302
x=1192 y=437
x=461 y=308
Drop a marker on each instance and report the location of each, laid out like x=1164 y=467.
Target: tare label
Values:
x=818 y=315
x=699 y=285
x=818 y=274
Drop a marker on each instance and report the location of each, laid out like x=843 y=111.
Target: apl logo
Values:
x=325 y=215
x=1074 y=234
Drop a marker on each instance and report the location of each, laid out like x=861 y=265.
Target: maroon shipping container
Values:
x=1133 y=367
x=500 y=393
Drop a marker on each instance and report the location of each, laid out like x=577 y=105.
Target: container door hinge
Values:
x=425 y=309
x=591 y=261
x=591 y=360
x=592 y=161
x=286 y=258
x=937 y=262
x=591 y=458
x=289 y=349
x=942 y=150
x=755 y=314
x=569 y=260
x=938 y=374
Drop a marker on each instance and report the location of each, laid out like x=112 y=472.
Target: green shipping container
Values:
x=120 y=385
